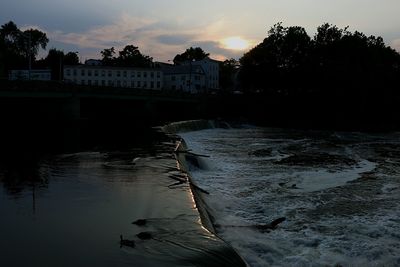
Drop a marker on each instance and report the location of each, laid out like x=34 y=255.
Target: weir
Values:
x=183 y=157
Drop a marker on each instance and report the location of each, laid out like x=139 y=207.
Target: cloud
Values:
x=217 y=50
x=175 y=39
x=396 y=44
x=158 y=39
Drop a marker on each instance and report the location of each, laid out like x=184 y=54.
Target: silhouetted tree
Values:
x=108 y=56
x=335 y=72
x=283 y=53
x=191 y=54
x=16 y=46
x=130 y=56
x=227 y=73
x=54 y=61
x=71 y=58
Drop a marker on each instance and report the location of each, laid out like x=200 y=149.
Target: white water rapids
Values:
x=339 y=193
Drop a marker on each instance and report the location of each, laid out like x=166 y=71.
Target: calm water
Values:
x=339 y=193
x=67 y=195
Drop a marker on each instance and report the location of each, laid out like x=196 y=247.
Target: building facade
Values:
x=34 y=75
x=211 y=71
x=140 y=78
x=192 y=77
x=189 y=79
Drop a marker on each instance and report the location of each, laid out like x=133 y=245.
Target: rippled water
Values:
x=339 y=193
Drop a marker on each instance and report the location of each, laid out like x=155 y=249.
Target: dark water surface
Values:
x=66 y=195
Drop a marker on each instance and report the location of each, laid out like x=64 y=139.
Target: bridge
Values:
x=40 y=100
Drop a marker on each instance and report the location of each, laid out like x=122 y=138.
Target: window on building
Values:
x=103 y=73
x=145 y=74
x=89 y=72
x=96 y=82
x=158 y=74
x=158 y=84
x=89 y=82
x=96 y=73
x=68 y=72
x=82 y=72
x=124 y=73
x=144 y=84
x=138 y=85
x=133 y=74
x=139 y=74
x=103 y=83
x=132 y=84
x=152 y=74
x=118 y=73
x=152 y=85
x=124 y=83
x=109 y=73
x=110 y=83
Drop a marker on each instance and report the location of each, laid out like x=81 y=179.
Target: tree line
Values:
x=289 y=61
x=335 y=78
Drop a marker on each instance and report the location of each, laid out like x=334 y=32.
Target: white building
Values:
x=35 y=75
x=211 y=71
x=184 y=78
x=140 y=78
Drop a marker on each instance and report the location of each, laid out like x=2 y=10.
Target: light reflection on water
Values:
x=70 y=208
x=72 y=211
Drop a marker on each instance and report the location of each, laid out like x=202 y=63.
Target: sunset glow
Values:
x=235 y=43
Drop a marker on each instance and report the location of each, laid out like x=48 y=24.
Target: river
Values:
x=68 y=193
x=339 y=193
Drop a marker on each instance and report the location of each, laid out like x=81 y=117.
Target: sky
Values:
x=164 y=28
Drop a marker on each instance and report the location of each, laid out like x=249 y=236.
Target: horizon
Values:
x=227 y=30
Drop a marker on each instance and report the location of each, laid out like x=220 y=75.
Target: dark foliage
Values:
x=55 y=61
x=337 y=75
x=18 y=48
x=129 y=56
x=191 y=54
x=228 y=71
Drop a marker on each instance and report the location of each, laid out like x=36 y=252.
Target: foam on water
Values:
x=338 y=191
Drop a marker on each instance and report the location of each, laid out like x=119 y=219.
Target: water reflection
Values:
x=68 y=192
x=67 y=198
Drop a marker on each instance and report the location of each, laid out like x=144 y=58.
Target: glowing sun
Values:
x=235 y=43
